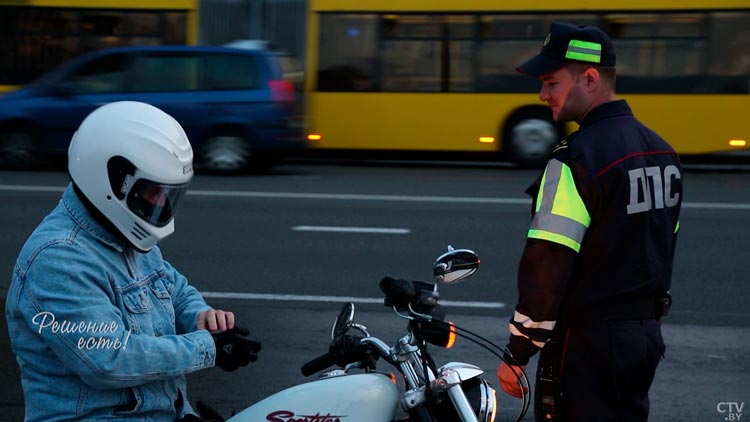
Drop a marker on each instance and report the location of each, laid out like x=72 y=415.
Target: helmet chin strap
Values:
x=103 y=221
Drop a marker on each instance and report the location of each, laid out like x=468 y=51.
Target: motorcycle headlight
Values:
x=482 y=398
x=480 y=395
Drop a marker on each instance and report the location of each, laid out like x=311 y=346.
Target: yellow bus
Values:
x=440 y=75
x=37 y=35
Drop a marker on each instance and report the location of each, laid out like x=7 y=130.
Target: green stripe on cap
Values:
x=584 y=51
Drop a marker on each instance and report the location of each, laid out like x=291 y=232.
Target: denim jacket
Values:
x=100 y=330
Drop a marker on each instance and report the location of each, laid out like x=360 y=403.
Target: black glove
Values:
x=233 y=349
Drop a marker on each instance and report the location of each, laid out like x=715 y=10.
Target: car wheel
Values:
x=17 y=148
x=226 y=152
x=530 y=137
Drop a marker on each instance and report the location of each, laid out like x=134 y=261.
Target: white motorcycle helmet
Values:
x=133 y=162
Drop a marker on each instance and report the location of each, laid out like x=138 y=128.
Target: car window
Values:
x=172 y=72
x=191 y=71
x=101 y=75
x=229 y=71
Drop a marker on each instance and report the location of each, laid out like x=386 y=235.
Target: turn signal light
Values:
x=486 y=140
x=439 y=333
x=314 y=137
x=451 y=335
x=737 y=143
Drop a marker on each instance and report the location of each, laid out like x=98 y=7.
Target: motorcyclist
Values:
x=101 y=324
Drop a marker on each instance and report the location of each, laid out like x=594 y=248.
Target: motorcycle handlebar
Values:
x=416 y=297
x=346 y=350
x=320 y=363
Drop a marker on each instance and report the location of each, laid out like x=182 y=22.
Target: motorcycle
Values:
x=452 y=392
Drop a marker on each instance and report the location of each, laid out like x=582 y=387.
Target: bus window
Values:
x=35 y=38
x=411 y=53
x=411 y=66
x=676 y=59
x=729 y=51
x=428 y=53
x=497 y=61
x=347 y=52
x=411 y=26
x=28 y=47
x=656 y=25
x=461 y=72
x=461 y=26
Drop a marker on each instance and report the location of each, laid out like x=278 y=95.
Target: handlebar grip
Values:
x=398 y=292
x=320 y=363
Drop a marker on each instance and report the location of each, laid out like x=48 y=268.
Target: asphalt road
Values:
x=284 y=249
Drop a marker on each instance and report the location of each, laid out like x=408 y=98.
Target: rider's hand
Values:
x=233 y=349
x=509 y=379
x=215 y=320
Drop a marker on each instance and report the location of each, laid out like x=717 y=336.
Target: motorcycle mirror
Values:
x=344 y=321
x=455 y=265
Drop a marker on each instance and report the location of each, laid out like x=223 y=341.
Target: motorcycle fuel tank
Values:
x=346 y=398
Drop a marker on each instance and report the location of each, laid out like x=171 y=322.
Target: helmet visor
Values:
x=155 y=203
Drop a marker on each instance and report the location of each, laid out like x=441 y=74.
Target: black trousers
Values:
x=607 y=370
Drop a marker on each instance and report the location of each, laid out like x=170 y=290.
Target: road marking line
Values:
x=337 y=299
x=716 y=205
x=358 y=197
x=29 y=188
x=361 y=197
x=335 y=229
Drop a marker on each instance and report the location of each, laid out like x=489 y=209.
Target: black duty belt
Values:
x=618 y=310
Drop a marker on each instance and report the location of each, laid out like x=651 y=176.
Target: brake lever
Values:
x=362 y=329
x=400 y=315
x=418 y=314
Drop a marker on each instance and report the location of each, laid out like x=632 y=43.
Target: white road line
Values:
x=357 y=197
x=334 y=229
x=716 y=205
x=337 y=299
x=30 y=188
x=360 y=197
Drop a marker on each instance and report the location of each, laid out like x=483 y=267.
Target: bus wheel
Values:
x=530 y=137
x=17 y=147
x=226 y=151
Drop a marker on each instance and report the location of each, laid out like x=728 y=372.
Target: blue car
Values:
x=235 y=105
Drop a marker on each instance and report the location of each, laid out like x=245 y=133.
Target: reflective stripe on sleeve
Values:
x=543 y=328
x=530 y=323
x=514 y=331
x=561 y=216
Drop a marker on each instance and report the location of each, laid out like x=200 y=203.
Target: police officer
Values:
x=594 y=277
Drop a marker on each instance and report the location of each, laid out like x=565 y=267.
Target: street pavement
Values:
x=242 y=235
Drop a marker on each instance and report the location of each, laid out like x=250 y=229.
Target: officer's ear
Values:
x=591 y=76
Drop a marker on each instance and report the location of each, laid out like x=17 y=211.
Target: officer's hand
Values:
x=509 y=379
x=233 y=349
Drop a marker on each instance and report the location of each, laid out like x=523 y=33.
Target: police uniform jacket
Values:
x=602 y=237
